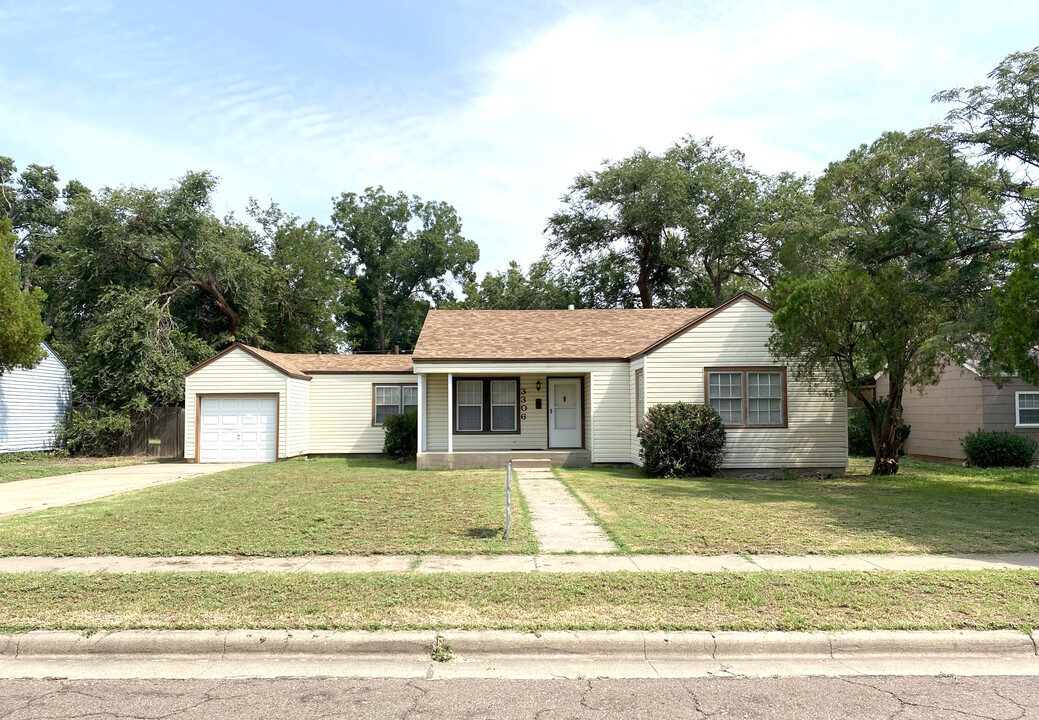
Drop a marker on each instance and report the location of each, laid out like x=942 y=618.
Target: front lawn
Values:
x=41 y=466
x=927 y=507
x=297 y=507
x=985 y=600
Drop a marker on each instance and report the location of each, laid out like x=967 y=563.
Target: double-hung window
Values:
x=640 y=397
x=1027 y=409
x=487 y=405
x=748 y=397
x=393 y=400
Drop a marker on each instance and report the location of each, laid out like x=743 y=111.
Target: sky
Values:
x=491 y=106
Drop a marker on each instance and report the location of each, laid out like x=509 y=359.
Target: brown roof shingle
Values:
x=303 y=364
x=547 y=334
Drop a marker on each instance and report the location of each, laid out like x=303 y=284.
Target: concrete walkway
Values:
x=519 y=563
x=23 y=496
x=559 y=521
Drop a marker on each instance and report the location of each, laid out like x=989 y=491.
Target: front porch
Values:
x=495 y=459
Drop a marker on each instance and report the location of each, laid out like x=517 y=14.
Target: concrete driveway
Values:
x=23 y=496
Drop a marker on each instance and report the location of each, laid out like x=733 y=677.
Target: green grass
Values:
x=298 y=507
x=928 y=507
x=524 y=601
x=46 y=467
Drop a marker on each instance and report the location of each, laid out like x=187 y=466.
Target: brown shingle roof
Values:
x=301 y=366
x=546 y=334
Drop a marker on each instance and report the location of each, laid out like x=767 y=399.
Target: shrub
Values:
x=998 y=449
x=860 y=440
x=95 y=432
x=682 y=440
x=32 y=455
x=401 y=436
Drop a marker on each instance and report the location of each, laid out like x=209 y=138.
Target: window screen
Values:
x=640 y=397
x=387 y=402
x=725 y=394
x=469 y=404
x=409 y=398
x=765 y=398
x=503 y=405
x=1028 y=408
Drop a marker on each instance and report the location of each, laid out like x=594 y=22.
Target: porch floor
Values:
x=499 y=458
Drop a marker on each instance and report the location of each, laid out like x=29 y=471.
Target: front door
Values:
x=564 y=412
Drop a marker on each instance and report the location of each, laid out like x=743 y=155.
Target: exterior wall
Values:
x=32 y=402
x=533 y=434
x=341 y=412
x=237 y=373
x=816 y=435
x=1000 y=409
x=940 y=415
x=636 y=456
x=297 y=417
x=612 y=411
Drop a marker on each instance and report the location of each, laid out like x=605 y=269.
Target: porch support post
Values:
x=421 y=414
x=450 y=405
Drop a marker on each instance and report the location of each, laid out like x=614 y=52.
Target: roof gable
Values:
x=743 y=296
x=301 y=365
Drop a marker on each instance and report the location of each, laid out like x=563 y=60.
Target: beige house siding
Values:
x=236 y=373
x=611 y=408
x=340 y=412
x=816 y=435
x=999 y=406
x=297 y=420
x=635 y=447
x=940 y=415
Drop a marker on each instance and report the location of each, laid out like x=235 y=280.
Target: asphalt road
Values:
x=848 y=698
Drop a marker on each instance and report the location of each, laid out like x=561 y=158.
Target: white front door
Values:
x=564 y=412
x=238 y=429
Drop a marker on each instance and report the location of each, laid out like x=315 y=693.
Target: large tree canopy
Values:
x=905 y=223
x=401 y=254
x=543 y=287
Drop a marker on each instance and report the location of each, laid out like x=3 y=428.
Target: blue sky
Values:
x=491 y=106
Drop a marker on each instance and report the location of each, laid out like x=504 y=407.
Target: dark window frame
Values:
x=400 y=405
x=486 y=386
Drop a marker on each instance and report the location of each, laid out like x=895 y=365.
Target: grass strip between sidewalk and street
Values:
x=984 y=600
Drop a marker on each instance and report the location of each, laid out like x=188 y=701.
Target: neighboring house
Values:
x=490 y=386
x=962 y=402
x=32 y=403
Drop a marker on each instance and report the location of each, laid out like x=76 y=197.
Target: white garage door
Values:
x=238 y=429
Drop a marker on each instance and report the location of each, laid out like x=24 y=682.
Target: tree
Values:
x=400 y=253
x=22 y=329
x=626 y=215
x=724 y=216
x=543 y=287
x=909 y=225
x=305 y=283
x=1015 y=342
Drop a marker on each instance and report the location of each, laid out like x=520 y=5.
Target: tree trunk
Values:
x=888 y=438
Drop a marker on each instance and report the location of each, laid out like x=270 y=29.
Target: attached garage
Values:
x=238 y=428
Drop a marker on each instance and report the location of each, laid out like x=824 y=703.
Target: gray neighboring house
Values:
x=32 y=403
x=963 y=402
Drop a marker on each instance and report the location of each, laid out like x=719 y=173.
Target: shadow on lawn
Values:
x=935 y=515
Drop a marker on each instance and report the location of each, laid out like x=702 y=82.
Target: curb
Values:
x=470 y=644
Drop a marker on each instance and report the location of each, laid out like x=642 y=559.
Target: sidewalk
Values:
x=519 y=563
x=559 y=521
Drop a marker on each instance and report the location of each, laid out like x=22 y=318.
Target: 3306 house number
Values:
x=523 y=403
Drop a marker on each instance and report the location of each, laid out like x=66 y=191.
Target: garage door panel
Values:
x=238 y=429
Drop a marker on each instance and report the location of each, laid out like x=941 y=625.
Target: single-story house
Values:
x=962 y=402
x=490 y=386
x=32 y=404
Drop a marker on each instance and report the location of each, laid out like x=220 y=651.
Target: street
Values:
x=817 y=698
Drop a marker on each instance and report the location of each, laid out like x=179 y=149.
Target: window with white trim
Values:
x=1027 y=407
x=469 y=401
x=748 y=397
x=393 y=400
x=503 y=405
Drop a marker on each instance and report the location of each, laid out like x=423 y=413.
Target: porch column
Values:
x=450 y=404
x=421 y=414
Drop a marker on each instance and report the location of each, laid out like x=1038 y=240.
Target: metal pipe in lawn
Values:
x=508 y=497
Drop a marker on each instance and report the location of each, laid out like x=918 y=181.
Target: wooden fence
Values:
x=158 y=432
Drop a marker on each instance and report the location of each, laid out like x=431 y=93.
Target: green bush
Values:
x=401 y=436
x=682 y=440
x=95 y=432
x=32 y=455
x=998 y=449
x=860 y=440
